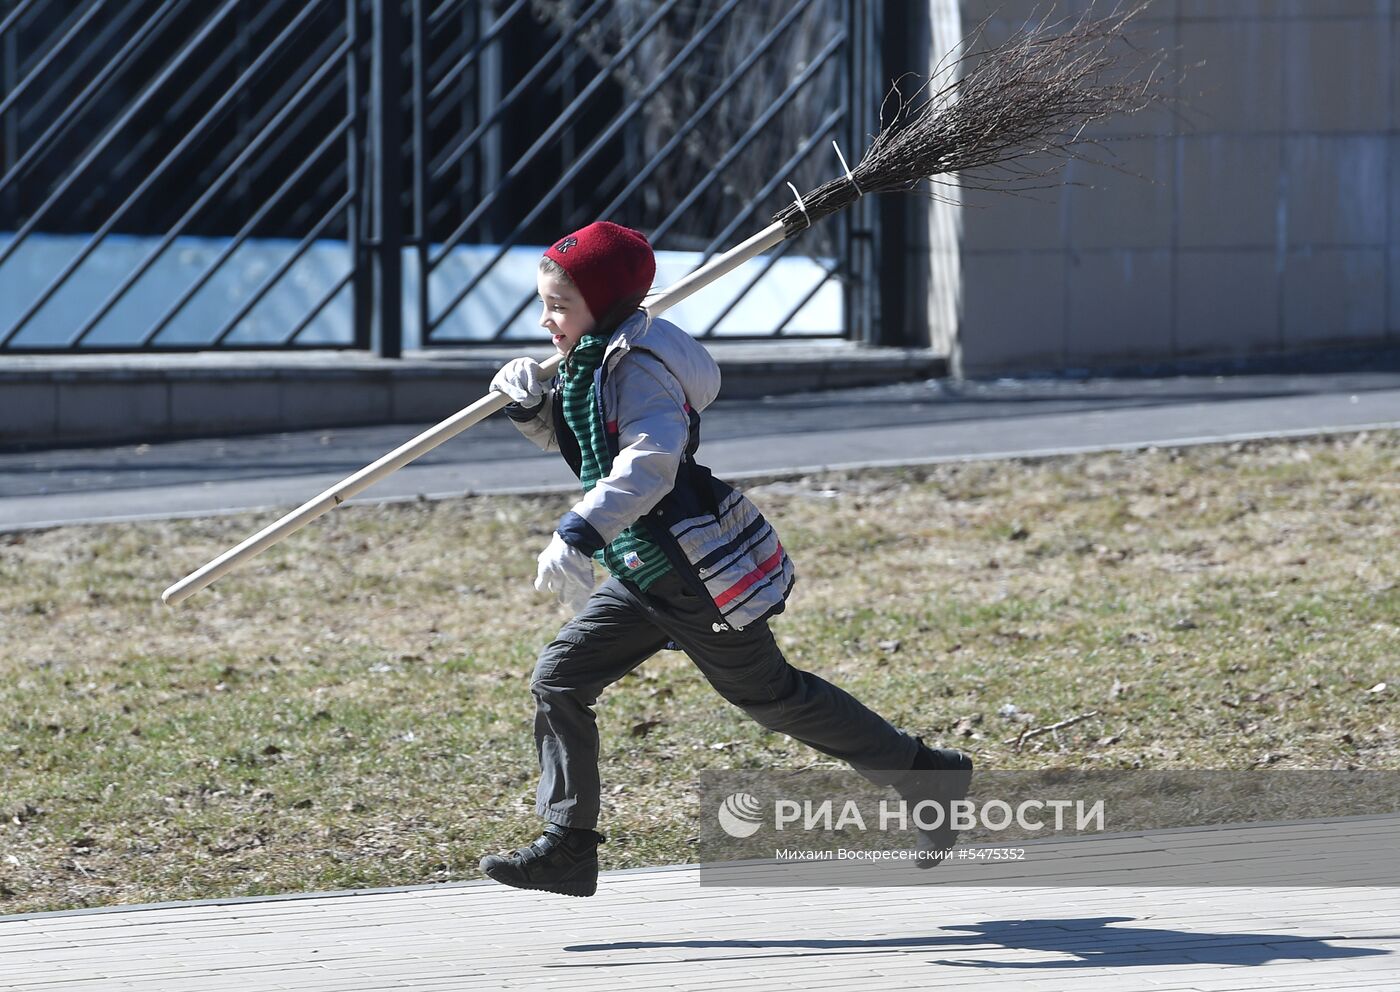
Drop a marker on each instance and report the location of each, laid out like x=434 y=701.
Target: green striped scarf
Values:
x=632 y=555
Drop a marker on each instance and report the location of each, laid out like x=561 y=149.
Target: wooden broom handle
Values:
x=445 y=431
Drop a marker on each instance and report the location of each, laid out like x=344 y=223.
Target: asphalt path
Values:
x=905 y=424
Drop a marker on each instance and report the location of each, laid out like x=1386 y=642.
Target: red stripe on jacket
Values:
x=763 y=569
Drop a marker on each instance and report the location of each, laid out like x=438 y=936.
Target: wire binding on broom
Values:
x=852 y=178
x=1035 y=94
x=800 y=205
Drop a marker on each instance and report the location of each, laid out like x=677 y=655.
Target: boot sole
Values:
x=577 y=891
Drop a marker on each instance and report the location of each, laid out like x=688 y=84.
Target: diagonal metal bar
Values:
x=289 y=135
x=15 y=15
x=457 y=42
x=53 y=53
x=724 y=162
x=80 y=68
x=441 y=12
x=211 y=115
x=550 y=132
x=276 y=275
x=443 y=109
x=490 y=35
x=336 y=179
x=574 y=218
x=572 y=58
x=826 y=278
x=807 y=147
x=809 y=144
x=169 y=238
x=645 y=173
x=226 y=54
x=96 y=150
x=440 y=110
x=595 y=147
x=434 y=26
x=703 y=110
x=94 y=195
x=747 y=138
x=133 y=49
x=541 y=65
x=243 y=234
x=314 y=312
x=769 y=260
x=135 y=154
x=577 y=217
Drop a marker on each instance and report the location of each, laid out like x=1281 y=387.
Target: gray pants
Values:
x=621 y=627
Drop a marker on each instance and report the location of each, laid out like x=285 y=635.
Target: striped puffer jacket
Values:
x=653 y=382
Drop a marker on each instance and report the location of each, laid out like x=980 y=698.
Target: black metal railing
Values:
x=137 y=132
x=378 y=174
x=616 y=114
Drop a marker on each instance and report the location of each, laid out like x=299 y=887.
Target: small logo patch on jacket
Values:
x=717 y=626
x=632 y=560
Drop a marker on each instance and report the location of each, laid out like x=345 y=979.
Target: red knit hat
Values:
x=610 y=264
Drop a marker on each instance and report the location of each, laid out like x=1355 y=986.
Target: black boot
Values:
x=949 y=784
x=563 y=860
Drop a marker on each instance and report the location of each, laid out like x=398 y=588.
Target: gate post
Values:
x=386 y=144
x=861 y=234
x=901 y=246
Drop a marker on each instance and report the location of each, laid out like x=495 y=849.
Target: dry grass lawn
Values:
x=353 y=709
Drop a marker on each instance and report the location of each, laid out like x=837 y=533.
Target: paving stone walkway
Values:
x=662 y=929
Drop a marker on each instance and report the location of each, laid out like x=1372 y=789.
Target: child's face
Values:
x=565 y=315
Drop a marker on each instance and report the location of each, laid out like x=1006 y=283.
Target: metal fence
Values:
x=383 y=173
x=169 y=166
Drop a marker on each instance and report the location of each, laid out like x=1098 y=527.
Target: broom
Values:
x=1032 y=95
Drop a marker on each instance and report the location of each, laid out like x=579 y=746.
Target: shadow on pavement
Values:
x=1090 y=943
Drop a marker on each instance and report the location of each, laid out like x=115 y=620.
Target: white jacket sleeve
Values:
x=653 y=427
x=537 y=425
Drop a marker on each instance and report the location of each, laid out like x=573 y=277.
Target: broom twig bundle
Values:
x=1034 y=94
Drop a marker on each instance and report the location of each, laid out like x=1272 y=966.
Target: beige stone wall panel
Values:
x=1013 y=311
x=1232 y=76
x=1335 y=78
x=1338 y=190
x=1334 y=298
x=1120 y=307
x=1270 y=221
x=1229 y=191
x=1124 y=197
x=1227 y=303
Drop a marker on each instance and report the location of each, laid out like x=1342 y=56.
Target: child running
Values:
x=690 y=561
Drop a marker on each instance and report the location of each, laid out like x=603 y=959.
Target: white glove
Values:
x=566 y=572
x=522 y=380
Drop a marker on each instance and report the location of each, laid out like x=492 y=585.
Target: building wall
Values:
x=1259 y=216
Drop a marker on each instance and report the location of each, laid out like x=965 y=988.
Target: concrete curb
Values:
x=82 y=399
